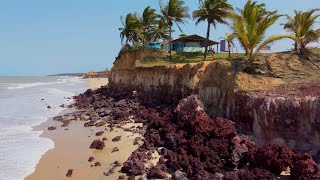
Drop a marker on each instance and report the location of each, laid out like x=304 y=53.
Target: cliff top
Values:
x=284 y=70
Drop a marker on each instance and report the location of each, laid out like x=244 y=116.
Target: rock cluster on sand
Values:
x=99 y=133
x=52 y=128
x=69 y=173
x=97 y=144
x=191 y=144
x=115 y=149
x=116 y=139
x=91 y=159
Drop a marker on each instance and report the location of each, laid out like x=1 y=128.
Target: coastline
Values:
x=66 y=142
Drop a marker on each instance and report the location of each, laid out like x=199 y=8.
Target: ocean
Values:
x=21 y=108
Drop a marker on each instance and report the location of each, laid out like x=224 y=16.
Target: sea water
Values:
x=23 y=104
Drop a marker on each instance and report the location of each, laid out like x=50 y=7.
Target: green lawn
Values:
x=184 y=58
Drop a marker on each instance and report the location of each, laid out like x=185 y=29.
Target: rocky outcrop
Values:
x=270 y=108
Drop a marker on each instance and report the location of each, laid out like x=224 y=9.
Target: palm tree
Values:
x=130 y=29
x=148 y=21
x=301 y=26
x=212 y=11
x=250 y=27
x=174 y=12
x=229 y=38
x=160 y=31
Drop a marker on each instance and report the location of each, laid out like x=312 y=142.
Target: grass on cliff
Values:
x=184 y=58
x=316 y=51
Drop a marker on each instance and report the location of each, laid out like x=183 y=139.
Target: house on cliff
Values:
x=192 y=43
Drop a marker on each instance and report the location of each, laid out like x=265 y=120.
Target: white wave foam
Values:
x=28 y=85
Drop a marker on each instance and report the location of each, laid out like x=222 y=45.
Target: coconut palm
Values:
x=301 y=26
x=213 y=12
x=176 y=12
x=130 y=29
x=229 y=38
x=250 y=28
x=160 y=31
x=148 y=21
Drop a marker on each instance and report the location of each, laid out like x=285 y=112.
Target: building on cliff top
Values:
x=192 y=43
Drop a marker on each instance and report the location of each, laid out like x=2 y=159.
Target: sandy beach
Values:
x=72 y=151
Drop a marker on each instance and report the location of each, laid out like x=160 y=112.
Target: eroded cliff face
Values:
x=254 y=102
x=165 y=83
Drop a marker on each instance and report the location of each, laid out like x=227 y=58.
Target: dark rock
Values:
x=135 y=163
x=116 y=139
x=117 y=164
x=97 y=144
x=305 y=168
x=115 y=149
x=179 y=175
x=49 y=107
x=42 y=99
x=157 y=172
x=101 y=123
x=104 y=139
x=91 y=159
x=69 y=173
x=89 y=124
x=96 y=164
x=58 y=118
x=257 y=174
x=272 y=157
x=65 y=123
x=52 y=128
x=111 y=171
x=131 y=178
x=99 y=133
x=121 y=177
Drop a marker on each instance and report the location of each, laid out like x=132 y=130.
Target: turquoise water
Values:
x=21 y=108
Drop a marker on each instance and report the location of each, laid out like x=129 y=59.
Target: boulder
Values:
x=157 y=172
x=116 y=139
x=101 y=123
x=69 y=173
x=89 y=124
x=97 y=144
x=99 y=133
x=115 y=149
x=52 y=128
x=91 y=159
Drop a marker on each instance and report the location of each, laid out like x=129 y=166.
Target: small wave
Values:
x=28 y=85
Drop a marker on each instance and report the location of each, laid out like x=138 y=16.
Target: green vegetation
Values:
x=174 y=12
x=316 y=52
x=185 y=58
x=212 y=11
x=250 y=26
x=139 y=30
x=301 y=26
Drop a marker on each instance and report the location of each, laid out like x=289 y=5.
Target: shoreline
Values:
x=92 y=83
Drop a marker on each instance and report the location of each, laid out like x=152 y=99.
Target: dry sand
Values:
x=72 y=151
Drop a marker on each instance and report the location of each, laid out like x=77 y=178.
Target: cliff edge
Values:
x=276 y=102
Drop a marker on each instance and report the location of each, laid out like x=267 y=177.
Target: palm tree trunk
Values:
x=206 y=42
x=229 y=46
x=251 y=57
x=302 y=49
x=170 y=34
x=296 y=46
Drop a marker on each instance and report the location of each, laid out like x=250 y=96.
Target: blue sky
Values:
x=40 y=37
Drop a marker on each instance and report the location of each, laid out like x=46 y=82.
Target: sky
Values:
x=40 y=37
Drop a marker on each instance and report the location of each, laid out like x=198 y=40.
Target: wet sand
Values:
x=72 y=151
